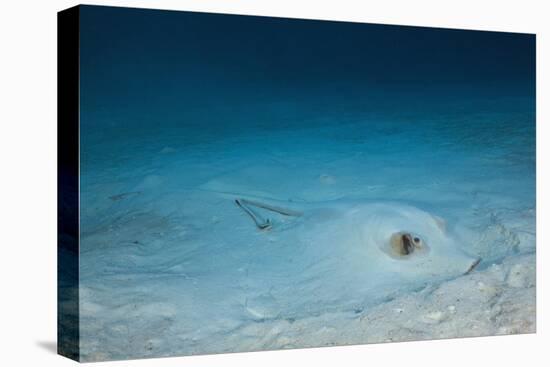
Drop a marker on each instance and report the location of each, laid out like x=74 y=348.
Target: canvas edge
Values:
x=68 y=317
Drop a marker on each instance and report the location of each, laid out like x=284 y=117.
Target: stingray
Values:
x=400 y=231
x=311 y=257
x=346 y=254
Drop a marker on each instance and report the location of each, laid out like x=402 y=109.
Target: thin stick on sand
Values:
x=473 y=266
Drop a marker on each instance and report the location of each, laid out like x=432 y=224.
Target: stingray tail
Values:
x=248 y=206
x=274 y=208
x=258 y=220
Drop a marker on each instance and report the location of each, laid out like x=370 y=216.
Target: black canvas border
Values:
x=68 y=317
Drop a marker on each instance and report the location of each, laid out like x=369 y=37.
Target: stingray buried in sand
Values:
x=372 y=248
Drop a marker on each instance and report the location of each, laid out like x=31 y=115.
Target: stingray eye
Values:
x=418 y=242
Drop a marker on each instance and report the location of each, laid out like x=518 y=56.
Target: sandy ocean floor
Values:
x=171 y=266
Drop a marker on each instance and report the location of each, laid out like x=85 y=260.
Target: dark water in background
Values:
x=173 y=102
x=159 y=69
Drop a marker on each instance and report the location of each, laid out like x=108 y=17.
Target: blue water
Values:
x=181 y=113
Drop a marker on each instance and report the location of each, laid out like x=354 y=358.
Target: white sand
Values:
x=175 y=267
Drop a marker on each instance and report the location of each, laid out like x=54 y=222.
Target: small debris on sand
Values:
x=124 y=195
